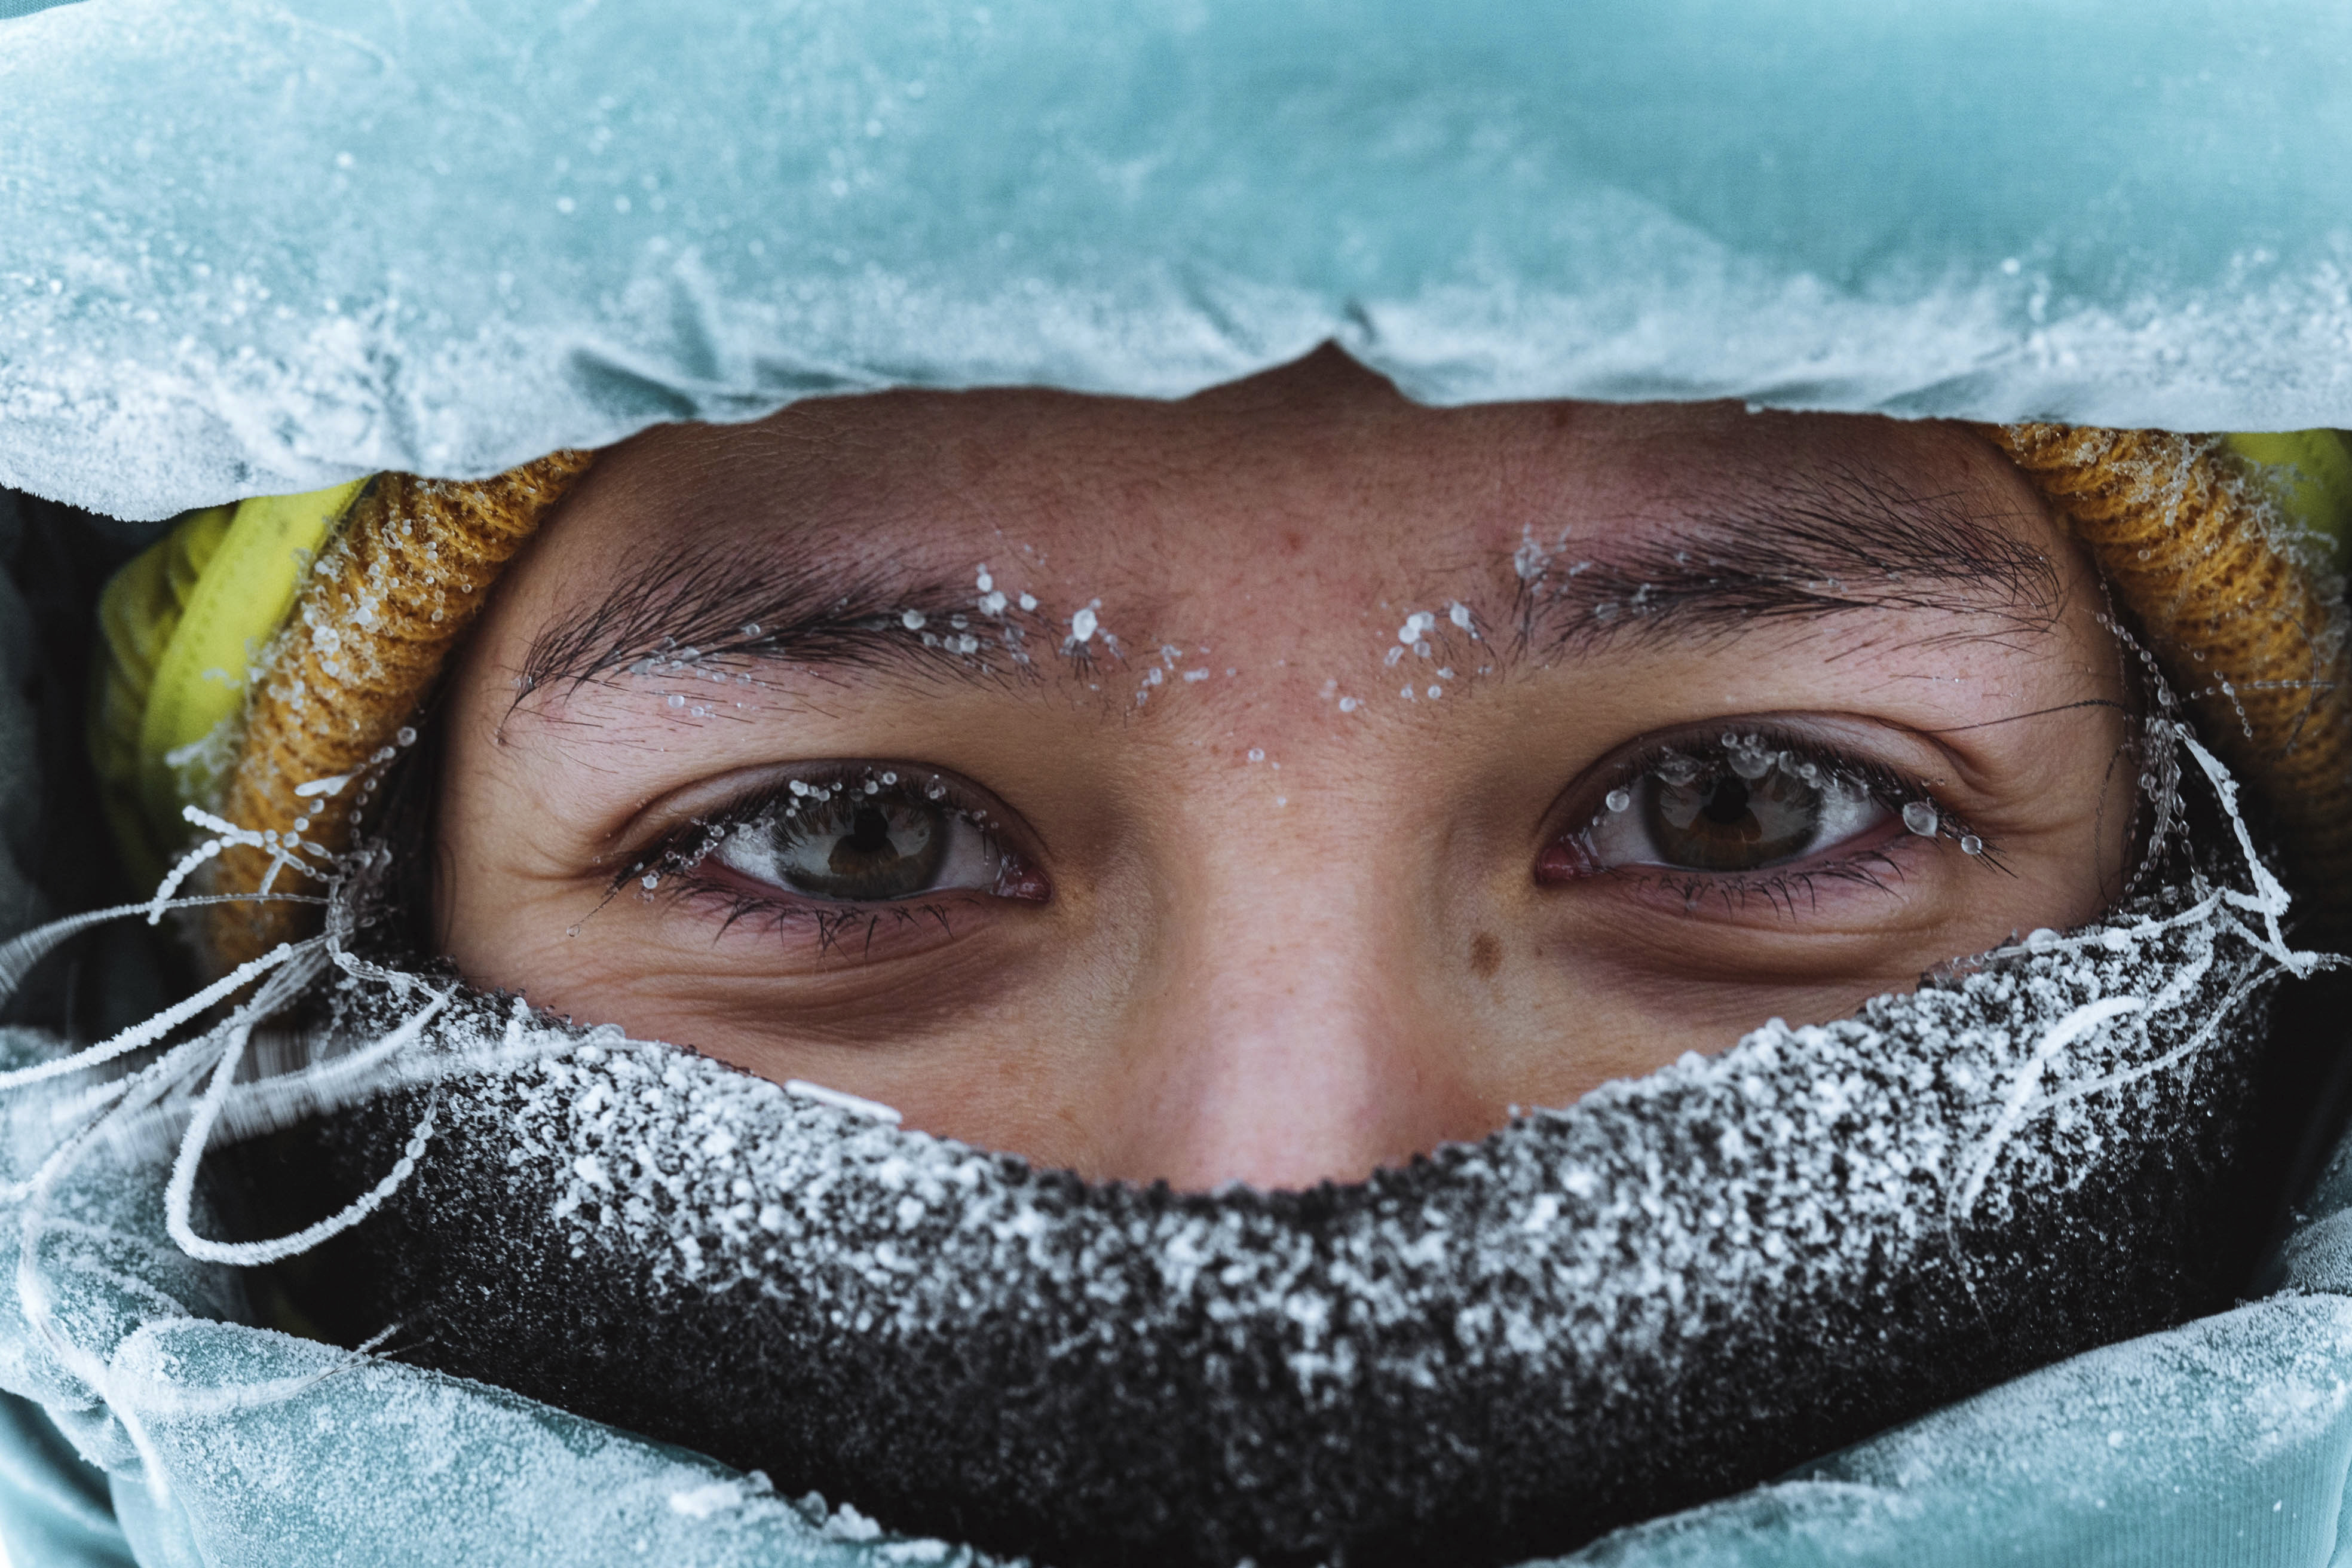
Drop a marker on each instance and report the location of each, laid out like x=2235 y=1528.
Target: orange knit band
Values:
x=2247 y=622
x=405 y=576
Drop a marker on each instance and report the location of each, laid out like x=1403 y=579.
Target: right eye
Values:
x=876 y=841
x=1743 y=804
x=1735 y=819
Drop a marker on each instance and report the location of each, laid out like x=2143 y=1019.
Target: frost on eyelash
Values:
x=686 y=849
x=1751 y=758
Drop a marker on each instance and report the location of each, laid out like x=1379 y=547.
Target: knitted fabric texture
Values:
x=2246 y=619
x=388 y=598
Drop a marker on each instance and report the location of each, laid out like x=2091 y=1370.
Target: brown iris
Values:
x=1726 y=822
x=863 y=850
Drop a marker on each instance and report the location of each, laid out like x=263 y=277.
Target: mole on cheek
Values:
x=1486 y=955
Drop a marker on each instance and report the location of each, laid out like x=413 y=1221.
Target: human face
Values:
x=1272 y=785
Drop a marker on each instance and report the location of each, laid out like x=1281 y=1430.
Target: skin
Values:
x=1370 y=942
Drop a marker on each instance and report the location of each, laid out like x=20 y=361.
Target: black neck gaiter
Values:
x=1676 y=1287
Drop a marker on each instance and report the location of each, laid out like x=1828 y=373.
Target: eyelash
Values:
x=1781 y=885
x=674 y=860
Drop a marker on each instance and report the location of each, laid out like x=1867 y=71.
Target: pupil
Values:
x=1731 y=824
x=869 y=830
x=1727 y=804
x=861 y=851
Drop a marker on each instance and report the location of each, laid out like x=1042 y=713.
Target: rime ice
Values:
x=1592 y=1279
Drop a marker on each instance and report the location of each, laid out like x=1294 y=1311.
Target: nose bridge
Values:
x=1290 y=1039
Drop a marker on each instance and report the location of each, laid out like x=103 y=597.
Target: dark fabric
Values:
x=1495 y=1353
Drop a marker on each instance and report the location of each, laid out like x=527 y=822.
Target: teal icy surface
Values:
x=248 y=246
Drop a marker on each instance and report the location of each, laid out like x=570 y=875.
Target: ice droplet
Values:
x=2040 y=936
x=676 y=700
x=1459 y=614
x=1348 y=705
x=1618 y=799
x=1028 y=601
x=650 y=880
x=911 y=619
x=1416 y=627
x=1920 y=818
x=1257 y=753
x=1971 y=844
x=1435 y=692
x=1676 y=770
x=1082 y=626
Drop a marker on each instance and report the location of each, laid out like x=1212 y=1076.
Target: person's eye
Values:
x=848 y=835
x=1743 y=803
x=849 y=846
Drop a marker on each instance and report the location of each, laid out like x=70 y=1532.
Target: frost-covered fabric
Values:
x=1680 y=1286
x=230 y=1444
x=252 y=248
x=1928 y=1146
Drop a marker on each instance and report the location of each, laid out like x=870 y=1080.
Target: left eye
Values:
x=852 y=847
x=1746 y=808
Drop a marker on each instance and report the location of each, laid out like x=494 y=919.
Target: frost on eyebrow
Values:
x=812 y=602
x=1828 y=542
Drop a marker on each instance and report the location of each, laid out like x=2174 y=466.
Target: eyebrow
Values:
x=1831 y=543
x=691 y=605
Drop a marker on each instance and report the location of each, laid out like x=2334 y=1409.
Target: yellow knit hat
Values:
x=260 y=654
x=257 y=656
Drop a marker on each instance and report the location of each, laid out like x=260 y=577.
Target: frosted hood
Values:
x=252 y=248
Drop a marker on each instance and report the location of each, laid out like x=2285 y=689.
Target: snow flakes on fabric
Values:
x=1679 y=1286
